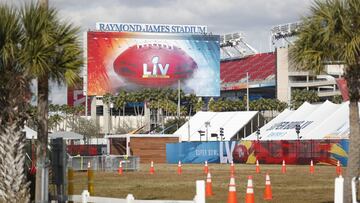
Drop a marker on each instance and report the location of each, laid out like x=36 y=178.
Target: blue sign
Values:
x=192 y=152
x=199 y=152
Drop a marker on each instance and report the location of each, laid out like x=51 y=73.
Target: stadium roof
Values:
x=320 y=121
x=260 y=67
x=232 y=122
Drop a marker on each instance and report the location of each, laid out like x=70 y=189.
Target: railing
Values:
x=85 y=197
x=104 y=162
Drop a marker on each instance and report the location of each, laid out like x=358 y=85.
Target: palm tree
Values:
x=50 y=50
x=120 y=103
x=331 y=33
x=14 y=91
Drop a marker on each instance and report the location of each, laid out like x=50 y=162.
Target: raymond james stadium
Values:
x=179 y=112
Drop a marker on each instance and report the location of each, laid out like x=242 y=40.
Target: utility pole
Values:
x=178 y=107
x=247 y=91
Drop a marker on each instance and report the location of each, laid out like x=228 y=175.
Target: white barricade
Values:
x=85 y=197
x=354 y=182
x=339 y=190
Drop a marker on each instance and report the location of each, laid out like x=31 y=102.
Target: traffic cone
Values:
x=338 y=168
x=152 y=169
x=232 y=168
x=120 y=170
x=179 y=168
x=267 y=192
x=312 y=169
x=283 y=167
x=257 y=166
x=208 y=187
x=250 y=198
x=206 y=168
x=232 y=191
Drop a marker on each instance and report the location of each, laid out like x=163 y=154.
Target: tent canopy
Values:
x=317 y=121
x=211 y=122
x=66 y=135
x=30 y=133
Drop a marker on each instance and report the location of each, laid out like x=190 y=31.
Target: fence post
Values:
x=339 y=190
x=200 y=191
x=354 y=180
x=90 y=176
x=129 y=198
x=84 y=196
x=70 y=181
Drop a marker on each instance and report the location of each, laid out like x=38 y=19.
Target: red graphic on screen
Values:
x=154 y=65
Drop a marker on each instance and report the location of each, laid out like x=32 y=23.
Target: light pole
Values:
x=258 y=134
x=297 y=130
x=201 y=133
x=221 y=134
x=110 y=123
x=207 y=125
x=247 y=91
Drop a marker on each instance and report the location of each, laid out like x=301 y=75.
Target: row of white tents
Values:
x=317 y=121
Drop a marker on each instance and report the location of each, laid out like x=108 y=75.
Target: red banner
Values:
x=292 y=151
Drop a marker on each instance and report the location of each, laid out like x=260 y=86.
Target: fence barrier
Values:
x=85 y=197
x=354 y=189
x=104 y=162
x=339 y=190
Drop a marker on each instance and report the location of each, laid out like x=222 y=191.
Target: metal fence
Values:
x=104 y=162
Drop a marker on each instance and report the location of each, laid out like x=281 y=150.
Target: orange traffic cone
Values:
x=312 y=169
x=152 y=169
x=257 y=166
x=179 y=168
x=232 y=168
x=120 y=170
x=283 y=167
x=208 y=187
x=232 y=191
x=206 y=168
x=250 y=198
x=338 y=168
x=267 y=192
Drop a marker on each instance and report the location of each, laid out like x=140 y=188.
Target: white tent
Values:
x=66 y=135
x=232 y=122
x=317 y=121
x=30 y=133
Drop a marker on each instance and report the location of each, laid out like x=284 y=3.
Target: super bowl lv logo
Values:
x=158 y=70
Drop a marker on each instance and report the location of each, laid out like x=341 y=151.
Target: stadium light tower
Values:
x=284 y=32
x=234 y=46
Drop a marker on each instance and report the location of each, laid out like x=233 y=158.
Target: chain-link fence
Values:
x=104 y=162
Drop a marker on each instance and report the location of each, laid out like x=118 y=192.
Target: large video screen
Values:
x=132 y=61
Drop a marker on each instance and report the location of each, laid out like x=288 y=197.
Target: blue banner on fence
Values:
x=193 y=152
x=199 y=152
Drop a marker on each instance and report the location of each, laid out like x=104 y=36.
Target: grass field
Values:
x=297 y=185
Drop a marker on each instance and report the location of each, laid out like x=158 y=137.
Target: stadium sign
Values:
x=153 y=28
